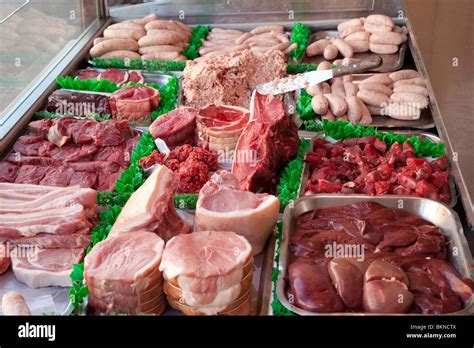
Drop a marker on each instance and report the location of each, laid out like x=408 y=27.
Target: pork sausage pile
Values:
x=261 y=39
x=376 y=33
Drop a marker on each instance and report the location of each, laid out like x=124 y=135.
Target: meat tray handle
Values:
x=366 y=64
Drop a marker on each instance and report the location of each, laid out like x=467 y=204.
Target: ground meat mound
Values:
x=229 y=78
x=191 y=164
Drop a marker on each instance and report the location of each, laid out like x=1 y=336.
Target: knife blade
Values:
x=298 y=81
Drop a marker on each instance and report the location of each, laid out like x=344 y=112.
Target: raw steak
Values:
x=134 y=103
x=117 y=76
x=44 y=267
x=78 y=103
x=175 y=127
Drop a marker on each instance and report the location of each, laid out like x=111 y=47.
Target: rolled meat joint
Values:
x=207 y=273
x=223 y=206
x=122 y=274
x=134 y=103
x=13 y=303
x=386 y=289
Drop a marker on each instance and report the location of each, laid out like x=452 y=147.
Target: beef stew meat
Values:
x=398 y=263
x=366 y=165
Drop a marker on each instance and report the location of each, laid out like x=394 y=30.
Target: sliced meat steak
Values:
x=117 y=76
x=175 y=127
x=135 y=76
x=85 y=74
x=218 y=128
x=67 y=102
x=135 y=103
x=223 y=206
x=45 y=267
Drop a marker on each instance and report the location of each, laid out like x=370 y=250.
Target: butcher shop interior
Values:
x=237 y=158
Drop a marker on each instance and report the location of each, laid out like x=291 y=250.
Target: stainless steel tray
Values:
x=437 y=213
x=432 y=137
x=391 y=62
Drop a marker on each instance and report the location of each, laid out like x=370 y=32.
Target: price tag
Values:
x=162 y=147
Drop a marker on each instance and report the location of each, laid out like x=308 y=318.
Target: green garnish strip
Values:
x=198 y=36
x=300 y=35
x=139 y=64
x=290 y=177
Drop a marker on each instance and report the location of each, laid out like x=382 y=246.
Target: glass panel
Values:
x=32 y=34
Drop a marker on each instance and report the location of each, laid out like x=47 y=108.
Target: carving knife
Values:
x=298 y=81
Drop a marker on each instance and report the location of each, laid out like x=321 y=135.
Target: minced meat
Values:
x=229 y=78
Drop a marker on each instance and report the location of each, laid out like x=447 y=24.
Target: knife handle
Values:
x=366 y=64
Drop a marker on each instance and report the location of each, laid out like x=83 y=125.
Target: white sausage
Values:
x=414 y=99
x=383 y=49
x=13 y=303
x=389 y=38
x=337 y=104
x=330 y=52
x=343 y=47
x=350 y=23
x=379 y=78
x=359 y=46
x=372 y=98
x=320 y=104
x=376 y=28
x=317 y=47
x=358 y=36
x=376 y=87
x=404 y=74
x=415 y=81
x=354 y=112
x=324 y=65
x=412 y=89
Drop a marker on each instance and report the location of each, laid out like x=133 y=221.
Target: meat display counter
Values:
x=449 y=109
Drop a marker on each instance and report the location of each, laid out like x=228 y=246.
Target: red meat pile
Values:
x=191 y=164
x=365 y=165
x=69 y=151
